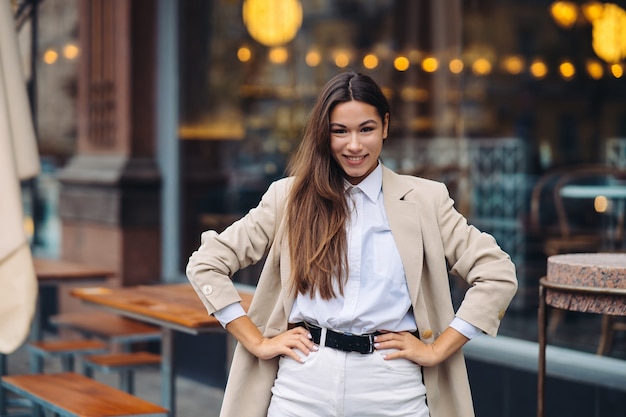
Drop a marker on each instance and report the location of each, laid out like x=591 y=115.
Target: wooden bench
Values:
x=109 y=327
x=66 y=350
x=125 y=363
x=74 y=395
x=118 y=332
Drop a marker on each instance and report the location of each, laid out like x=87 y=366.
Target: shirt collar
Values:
x=372 y=184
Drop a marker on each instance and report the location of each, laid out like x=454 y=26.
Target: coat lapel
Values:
x=404 y=220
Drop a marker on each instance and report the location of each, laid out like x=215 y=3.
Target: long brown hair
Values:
x=317 y=209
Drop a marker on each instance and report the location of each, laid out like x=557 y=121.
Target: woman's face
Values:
x=356 y=138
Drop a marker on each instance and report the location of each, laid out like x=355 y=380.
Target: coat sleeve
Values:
x=476 y=257
x=212 y=265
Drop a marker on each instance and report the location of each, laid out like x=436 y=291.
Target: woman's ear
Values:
x=386 y=126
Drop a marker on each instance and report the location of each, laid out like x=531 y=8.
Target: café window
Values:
x=487 y=96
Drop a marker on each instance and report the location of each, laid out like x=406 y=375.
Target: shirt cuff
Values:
x=229 y=313
x=466 y=329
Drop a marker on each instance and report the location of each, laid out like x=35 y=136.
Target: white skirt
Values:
x=333 y=383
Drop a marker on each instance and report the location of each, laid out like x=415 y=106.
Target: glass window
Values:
x=487 y=96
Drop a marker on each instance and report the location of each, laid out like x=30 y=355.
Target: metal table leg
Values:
x=168 y=371
x=541 y=372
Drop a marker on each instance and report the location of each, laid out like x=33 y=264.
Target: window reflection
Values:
x=486 y=96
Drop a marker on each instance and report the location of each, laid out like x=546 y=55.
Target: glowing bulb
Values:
x=342 y=60
x=244 y=54
x=513 y=65
x=70 y=51
x=278 y=55
x=456 y=66
x=595 y=69
x=50 y=56
x=370 y=61
x=564 y=13
x=567 y=70
x=313 y=58
x=538 y=69
x=272 y=22
x=430 y=64
x=481 y=66
x=600 y=204
x=401 y=63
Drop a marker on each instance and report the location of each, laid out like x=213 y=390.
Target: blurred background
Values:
x=159 y=119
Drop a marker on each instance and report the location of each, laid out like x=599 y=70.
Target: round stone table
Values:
x=584 y=282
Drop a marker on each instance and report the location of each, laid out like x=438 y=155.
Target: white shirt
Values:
x=375 y=294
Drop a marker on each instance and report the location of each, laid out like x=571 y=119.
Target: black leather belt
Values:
x=347 y=342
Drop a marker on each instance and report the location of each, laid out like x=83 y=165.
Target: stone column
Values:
x=109 y=204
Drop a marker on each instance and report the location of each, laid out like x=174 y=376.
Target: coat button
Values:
x=207 y=289
x=427 y=334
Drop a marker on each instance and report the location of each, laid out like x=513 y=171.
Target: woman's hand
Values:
x=263 y=347
x=284 y=344
x=410 y=347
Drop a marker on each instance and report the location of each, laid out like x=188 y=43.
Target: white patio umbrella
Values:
x=19 y=160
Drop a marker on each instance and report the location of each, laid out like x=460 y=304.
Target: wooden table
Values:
x=585 y=282
x=173 y=307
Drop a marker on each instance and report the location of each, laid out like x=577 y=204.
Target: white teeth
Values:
x=355 y=158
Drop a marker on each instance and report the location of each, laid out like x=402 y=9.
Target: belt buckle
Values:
x=371 y=339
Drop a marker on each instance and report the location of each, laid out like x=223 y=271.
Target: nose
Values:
x=354 y=145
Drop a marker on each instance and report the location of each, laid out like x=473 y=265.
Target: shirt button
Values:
x=207 y=289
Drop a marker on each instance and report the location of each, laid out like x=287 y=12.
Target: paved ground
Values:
x=194 y=399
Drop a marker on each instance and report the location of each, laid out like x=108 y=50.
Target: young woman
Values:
x=352 y=314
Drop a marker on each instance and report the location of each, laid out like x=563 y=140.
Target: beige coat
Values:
x=18 y=161
x=428 y=232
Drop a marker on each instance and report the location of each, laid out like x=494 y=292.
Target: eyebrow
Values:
x=362 y=124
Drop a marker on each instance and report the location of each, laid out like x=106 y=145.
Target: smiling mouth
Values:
x=355 y=158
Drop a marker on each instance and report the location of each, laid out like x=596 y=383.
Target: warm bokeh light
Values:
x=401 y=63
x=564 y=13
x=342 y=59
x=244 y=54
x=567 y=70
x=513 y=64
x=481 y=66
x=430 y=64
x=278 y=55
x=70 y=51
x=456 y=66
x=313 y=58
x=50 y=56
x=370 y=61
x=414 y=94
x=595 y=69
x=609 y=34
x=29 y=226
x=538 y=69
x=592 y=10
x=600 y=204
x=617 y=70
x=272 y=22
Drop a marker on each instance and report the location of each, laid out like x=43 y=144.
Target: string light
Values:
x=538 y=69
x=481 y=66
x=430 y=64
x=370 y=61
x=401 y=63
x=50 y=56
x=244 y=54
x=564 y=13
x=313 y=58
x=567 y=70
x=456 y=66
